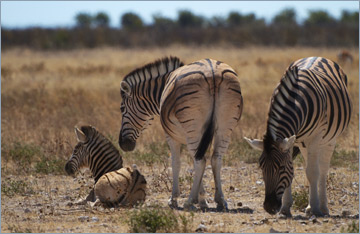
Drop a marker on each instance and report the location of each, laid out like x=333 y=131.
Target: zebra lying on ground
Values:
x=113 y=184
x=309 y=109
x=197 y=103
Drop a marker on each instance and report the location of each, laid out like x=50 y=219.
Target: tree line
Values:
x=318 y=29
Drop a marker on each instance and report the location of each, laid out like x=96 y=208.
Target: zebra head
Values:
x=135 y=117
x=79 y=156
x=277 y=169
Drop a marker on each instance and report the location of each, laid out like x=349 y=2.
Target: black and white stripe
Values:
x=94 y=151
x=309 y=109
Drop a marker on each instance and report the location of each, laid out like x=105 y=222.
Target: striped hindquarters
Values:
x=124 y=187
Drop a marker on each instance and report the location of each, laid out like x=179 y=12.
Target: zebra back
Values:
x=311 y=96
x=95 y=152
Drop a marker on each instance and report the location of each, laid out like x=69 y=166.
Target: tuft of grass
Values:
x=300 y=199
x=344 y=158
x=11 y=188
x=155 y=152
x=353 y=227
x=240 y=151
x=50 y=166
x=23 y=154
x=16 y=229
x=157 y=219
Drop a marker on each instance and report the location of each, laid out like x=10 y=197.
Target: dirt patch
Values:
x=49 y=205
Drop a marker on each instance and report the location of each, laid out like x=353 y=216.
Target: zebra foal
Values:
x=309 y=109
x=114 y=184
x=197 y=103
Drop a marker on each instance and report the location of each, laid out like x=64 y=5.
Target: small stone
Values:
x=112 y=209
x=232 y=189
x=331 y=202
x=239 y=204
x=27 y=210
x=95 y=219
x=259 y=182
x=272 y=230
x=201 y=228
x=83 y=218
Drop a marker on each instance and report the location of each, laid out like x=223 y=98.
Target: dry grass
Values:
x=45 y=94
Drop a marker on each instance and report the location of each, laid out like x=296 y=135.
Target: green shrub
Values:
x=155 y=152
x=157 y=219
x=344 y=158
x=50 y=166
x=24 y=154
x=240 y=151
x=300 y=199
x=12 y=187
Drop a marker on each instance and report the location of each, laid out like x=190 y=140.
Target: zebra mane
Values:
x=155 y=69
x=277 y=100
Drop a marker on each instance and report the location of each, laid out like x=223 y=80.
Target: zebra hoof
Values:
x=222 y=206
x=189 y=206
x=172 y=203
x=203 y=205
x=285 y=214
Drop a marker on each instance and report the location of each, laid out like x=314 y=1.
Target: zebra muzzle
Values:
x=272 y=204
x=126 y=144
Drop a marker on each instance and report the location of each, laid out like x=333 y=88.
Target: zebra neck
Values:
x=148 y=82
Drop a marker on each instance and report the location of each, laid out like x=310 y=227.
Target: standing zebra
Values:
x=94 y=151
x=309 y=109
x=196 y=103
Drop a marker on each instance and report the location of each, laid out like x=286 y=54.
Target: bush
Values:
x=157 y=219
x=12 y=187
x=300 y=199
x=50 y=166
x=241 y=151
x=343 y=158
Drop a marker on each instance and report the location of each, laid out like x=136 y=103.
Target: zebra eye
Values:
x=122 y=109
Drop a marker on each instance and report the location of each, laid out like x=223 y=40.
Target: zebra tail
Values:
x=206 y=138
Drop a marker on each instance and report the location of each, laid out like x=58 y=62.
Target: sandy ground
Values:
x=50 y=207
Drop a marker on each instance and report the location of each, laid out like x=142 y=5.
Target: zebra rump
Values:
x=124 y=187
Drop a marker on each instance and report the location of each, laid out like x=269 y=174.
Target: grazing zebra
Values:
x=196 y=103
x=309 y=109
x=94 y=151
x=124 y=187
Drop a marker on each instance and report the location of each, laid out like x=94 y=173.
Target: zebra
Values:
x=93 y=150
x=123 y=187
x=197 y=103
x=309 y=109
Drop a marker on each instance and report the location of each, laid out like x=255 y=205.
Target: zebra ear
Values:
x=255 y=144
x=125 y=87
x=287 y=144
x=81 y=137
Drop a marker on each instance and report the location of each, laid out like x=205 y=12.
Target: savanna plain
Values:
x=44 y=94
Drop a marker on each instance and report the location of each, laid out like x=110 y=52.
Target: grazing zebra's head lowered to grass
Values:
x=309 y=109
x=141 y=91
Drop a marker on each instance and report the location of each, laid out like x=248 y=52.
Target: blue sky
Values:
x=61 y=13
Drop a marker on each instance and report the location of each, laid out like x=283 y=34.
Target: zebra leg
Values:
x=324 y=162
x=312 y=174
x=176 y=165
x=199 y=166
x=219 y=196
x=287 y=202
x=202 y=201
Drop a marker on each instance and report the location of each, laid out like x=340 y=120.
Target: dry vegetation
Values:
x=45 y=94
